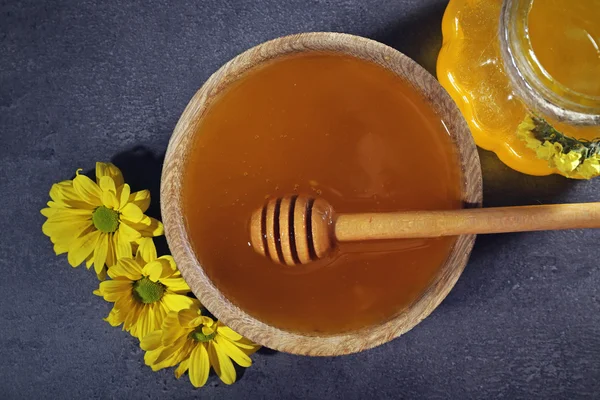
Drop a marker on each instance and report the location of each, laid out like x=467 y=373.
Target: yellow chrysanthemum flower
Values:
x=97 y=222
x=565 y=163
x=197 y=342
x=572 y=158
x=144 y=290
x=546 y=151
x=524 y=132
x=590 y=167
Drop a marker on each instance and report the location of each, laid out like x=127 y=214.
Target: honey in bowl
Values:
x=325 y=125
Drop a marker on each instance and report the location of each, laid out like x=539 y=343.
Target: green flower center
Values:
x=146 y=291
x=105 y=219
x=198 y=336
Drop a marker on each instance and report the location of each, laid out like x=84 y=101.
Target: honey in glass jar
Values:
x=525 y=74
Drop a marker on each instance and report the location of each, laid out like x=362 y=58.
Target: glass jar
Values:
x=526 y=76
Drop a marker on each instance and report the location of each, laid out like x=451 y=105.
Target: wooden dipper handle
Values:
x=297 y=229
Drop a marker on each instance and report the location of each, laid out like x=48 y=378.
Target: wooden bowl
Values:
x=174 y=170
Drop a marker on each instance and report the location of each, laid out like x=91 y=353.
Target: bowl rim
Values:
x=174 y=220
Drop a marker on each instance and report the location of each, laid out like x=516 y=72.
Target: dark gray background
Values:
x=84 y=81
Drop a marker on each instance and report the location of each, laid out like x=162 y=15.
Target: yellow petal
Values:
x=176 y=302
x=127 y=232
x=114 y=318
x=160 y=268
x=150 y=357
x=53 y=204
x=199 y=365
x=113 y=290
x=90 y=259
x=82 y=247
x=54 y=210
x=171 y=261
x=221 y=363
x=247 y=346
x=208 y=330
x=61 y=248
x=126 y=268
x=132 y=213
x=149 y=227
x=173 y=332
x=134 y=313
x=47 y=212
x=65 y=232
x=176 y=285
x=158 y=315
x=202 y=320
x=125 y=309
x=100 y=253
x=107 y=184
x=88 y=190
x=64 y=195
x=229 y=333
x=65 y=214
x=168 y=355
x=153 y=270
x=109 y=199
x=186 y=316
x=155 y=228
x=111 y=257
x=171 y=329
x=146 y=250
x=187 y=346
x=144 y=322
x=141 y=199
x=209 y=322
x=233 y=352
x=102 y=274
x=122 y=246
x=109 y=169
x=183 y=366
x=60 y=191
x=124 y=196
x=182 y=351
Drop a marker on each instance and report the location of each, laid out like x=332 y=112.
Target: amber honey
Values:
x=559 y=42
x=565 y=36
x=325 y=125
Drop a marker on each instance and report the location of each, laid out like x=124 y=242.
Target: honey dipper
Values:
x=295 y=230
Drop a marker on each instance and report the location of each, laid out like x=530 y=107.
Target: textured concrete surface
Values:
x=82 y=81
